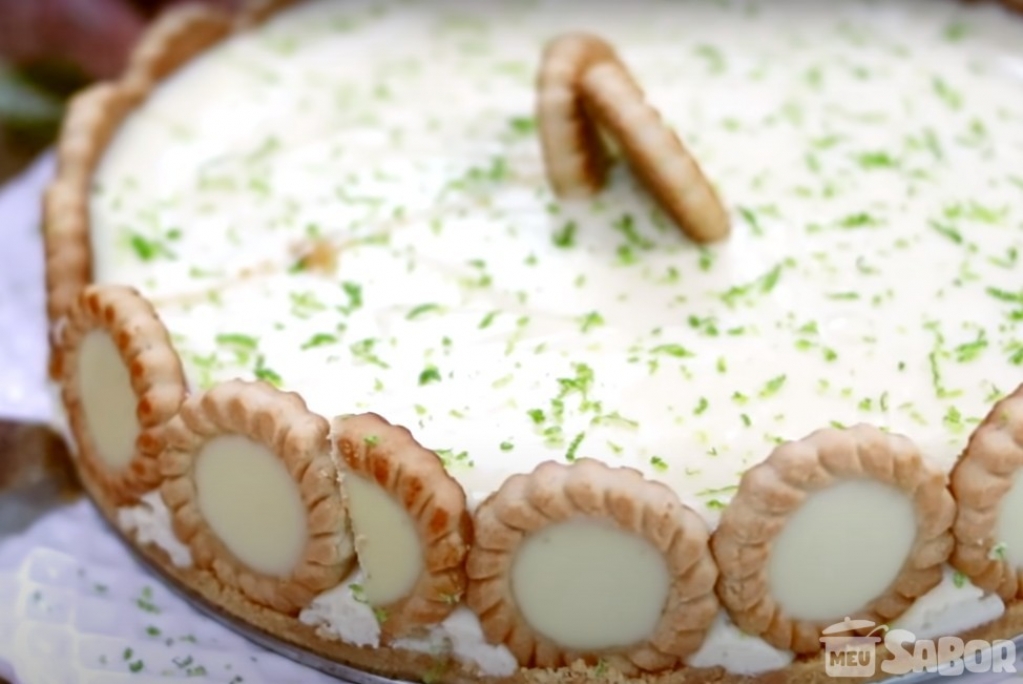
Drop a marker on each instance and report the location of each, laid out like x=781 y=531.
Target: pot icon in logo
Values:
x=846 y=652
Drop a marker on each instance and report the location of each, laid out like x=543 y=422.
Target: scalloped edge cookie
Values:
x=773 y=490
x=414 y=477
x=281 y=422
x=157 y=380
x=655 y=152
x=980 y=479
x=556 y=492
x=575 y=159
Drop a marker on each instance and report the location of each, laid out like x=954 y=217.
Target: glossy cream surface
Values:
x=868 y=153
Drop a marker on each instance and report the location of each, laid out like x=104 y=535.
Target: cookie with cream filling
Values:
x=121 y=382
x=585 y=561
x=843 y=523
x=988 y=486
x=409 y=519
x=253 y=492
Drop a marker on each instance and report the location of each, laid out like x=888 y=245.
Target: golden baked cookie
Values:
x=409 y=519
x=121 y=382
x=985 y=483
x=575 y=159
x=585 y=561
x=654 y=151
x=253 y=492
x=806 y=500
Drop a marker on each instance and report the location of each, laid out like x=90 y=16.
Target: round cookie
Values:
x=253 y=492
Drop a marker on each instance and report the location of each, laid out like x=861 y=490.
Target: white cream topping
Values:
x=249 y=500
x=841 y=549
x=727 y=645
x=1008 y=530
x=150 y=521
x=868 y=152
x=343 y=613
x=108 y=400
x=590 y=586
x=952 y=607
x=461 y=635
x=388 y=546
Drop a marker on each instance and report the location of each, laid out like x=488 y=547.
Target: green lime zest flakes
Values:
x=626 y=225
x=371 y=440
x=148 y=249
x=959 y=579
x=262 y=372
x=946 y=93
x=764 y=284
x=153 y=631
x=843 y=296
x=751 y=219
x=564 y=237
x=237 y=340
x=675 y=350
x=715 y=505
x=305 y=304
x=730 y=489
x=590 y=320
x=358 y=592
x=1006 y=296
x=1009 y=261
x=746 y=420
x=364 y=351
x=658 y=464
x=506 y=446
x=969 y=351
x=876 y=160
x=998 y=551
x=948 y=231
x=956 y=31
x=145 y=601
x=451 y=458
x=319 y=340
x=713 y=56
x=487 y=320
x=705 y=326
x=428 y=375
x=859 y=220
x=953 y=420
x=522 y=125
x=127 y=654
x=707 y=258
x=136 y=666
x=701 y=406
x=421 y=310
x=773 y=386
x=537 y=416
x=353 y=291
x=573 y=447
x=721 y=365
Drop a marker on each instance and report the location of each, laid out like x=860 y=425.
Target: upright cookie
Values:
x=575 y=159
x=654 y=151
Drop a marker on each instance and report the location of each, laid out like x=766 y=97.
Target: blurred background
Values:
x=51 y=48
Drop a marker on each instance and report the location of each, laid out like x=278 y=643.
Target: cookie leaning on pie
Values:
x=574 y=571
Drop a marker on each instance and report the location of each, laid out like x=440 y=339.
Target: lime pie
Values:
x=362 y=333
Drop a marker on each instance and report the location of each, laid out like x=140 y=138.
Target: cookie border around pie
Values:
x=591 y=490
x=980 y=480
x=297 y=437
x=772 y=491
x=414 y=477
x=92 y=120
x=153 y=369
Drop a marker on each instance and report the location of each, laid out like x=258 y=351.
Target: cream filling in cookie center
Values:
x=841 y=549
x=1008 y=530
x=390 y=553
x=589 y=586
x=108 y=401
x=251 y=503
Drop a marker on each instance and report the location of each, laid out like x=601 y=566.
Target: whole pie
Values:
x=539 y=341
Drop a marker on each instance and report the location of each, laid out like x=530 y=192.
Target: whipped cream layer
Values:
x=868 y=153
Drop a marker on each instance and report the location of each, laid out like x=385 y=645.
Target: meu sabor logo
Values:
x=850 y=651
